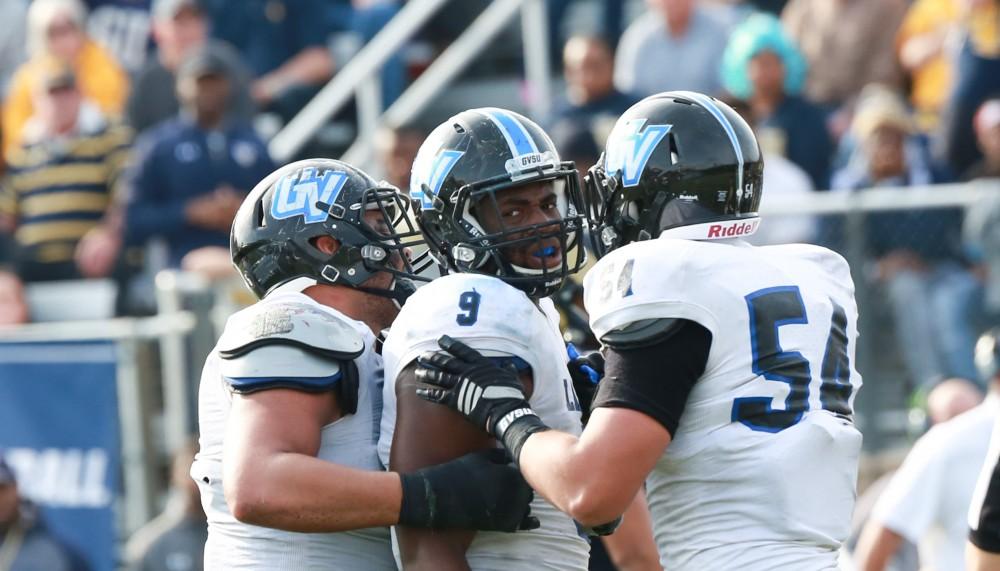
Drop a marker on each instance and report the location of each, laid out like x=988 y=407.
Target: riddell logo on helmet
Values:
x=732 y=229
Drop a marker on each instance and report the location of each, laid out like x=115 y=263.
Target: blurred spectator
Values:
x=982 y=223
x=359 y=21
x=25 y=542
x=918 y=252
x=591 y=97
x=977 y=78
x=175 y=540
x=13 y=16
x=57 y=193
x=685 y=32
x=950 y=398
x=764 y=68
x=986 y=125
x=284 y=44
x=191 y=173
x=397 y=148
x=927 y=500
x=945 y=401
x=783 y=179
x=122 y=28
x=848 y=44
x=13 y=305
x=55 y=30
x=576 y=143
x=180 y=27
x=927 y=29
x=611 y=19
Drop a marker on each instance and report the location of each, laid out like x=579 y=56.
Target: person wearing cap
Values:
x=191 y=173
x=25 y=541
x=920 y=260
x=56 y=199
x=180 y=27
x=56 y=29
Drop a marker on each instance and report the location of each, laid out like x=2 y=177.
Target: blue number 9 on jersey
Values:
x=469 y=303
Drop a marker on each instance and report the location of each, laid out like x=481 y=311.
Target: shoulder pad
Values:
x=281 y=366
x=642 y=333
x=294 y=324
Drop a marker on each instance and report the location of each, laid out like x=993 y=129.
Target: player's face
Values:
x=380 y=309
x=521 y=207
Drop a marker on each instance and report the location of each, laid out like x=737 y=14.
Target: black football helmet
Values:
x=273 y=237
x=679 y=164
x=462 y=166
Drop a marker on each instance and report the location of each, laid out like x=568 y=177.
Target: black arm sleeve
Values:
x=986 y=535
x=656 y=378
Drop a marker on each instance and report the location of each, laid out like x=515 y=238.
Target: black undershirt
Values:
x=657 y=378
x=986 y=536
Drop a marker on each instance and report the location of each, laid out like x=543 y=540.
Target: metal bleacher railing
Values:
x=359 y=76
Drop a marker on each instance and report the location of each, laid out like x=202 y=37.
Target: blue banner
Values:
x=59 y=432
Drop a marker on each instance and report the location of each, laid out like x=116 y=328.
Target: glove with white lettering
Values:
x=489 y=396
x=480 y=491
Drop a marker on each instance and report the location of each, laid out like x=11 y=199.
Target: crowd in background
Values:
x=124 y=122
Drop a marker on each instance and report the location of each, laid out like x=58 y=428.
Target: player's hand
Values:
x=464 y=380
x=490 y=396
x=586 y=372
x=480 y=491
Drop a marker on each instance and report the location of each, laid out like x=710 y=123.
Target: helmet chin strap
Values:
x=398 y=292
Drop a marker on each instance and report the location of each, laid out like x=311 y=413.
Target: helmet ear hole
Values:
x=325 y=244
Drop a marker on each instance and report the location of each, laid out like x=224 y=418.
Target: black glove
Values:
x=480 y=491
x=490 y=396
x=586 y=371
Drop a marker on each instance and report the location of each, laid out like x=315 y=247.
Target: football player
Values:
x=729 y=375
x=982 y=551
x=290 y=397
x=503 y=214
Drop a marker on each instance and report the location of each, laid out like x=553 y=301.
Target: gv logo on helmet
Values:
x=296 y=196
x=432 y=181
x=629 y=148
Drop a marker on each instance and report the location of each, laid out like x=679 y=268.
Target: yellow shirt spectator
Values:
x=920 y=45
x=102 y=81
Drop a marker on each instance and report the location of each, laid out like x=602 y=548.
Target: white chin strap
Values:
x=739 y=228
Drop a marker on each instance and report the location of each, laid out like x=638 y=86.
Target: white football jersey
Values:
x=349 y=441
x=761 y=472
x=498 y=320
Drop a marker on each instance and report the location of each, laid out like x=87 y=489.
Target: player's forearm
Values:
x=977 y=559
x=573 y=477
x=295 y=492
x=876 y=547
x=631 y=547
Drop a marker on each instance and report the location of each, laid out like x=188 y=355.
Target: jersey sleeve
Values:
x=635 y=377
x=648 y=280
x=984 y=510
x=483 y=312
x=909 y=505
